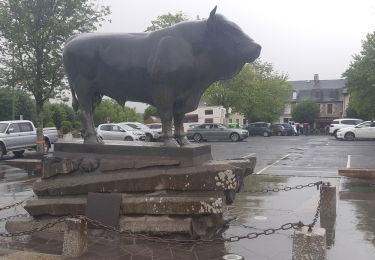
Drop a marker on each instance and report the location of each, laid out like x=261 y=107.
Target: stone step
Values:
x=202 y=226
x=207 y=177
x=158 y=203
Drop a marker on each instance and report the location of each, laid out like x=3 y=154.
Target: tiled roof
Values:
x=319 y=91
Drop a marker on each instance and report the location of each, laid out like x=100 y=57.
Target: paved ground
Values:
x=282 y=161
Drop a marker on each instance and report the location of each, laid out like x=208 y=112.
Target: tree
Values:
x=32 y=34
x=305 y=112
x=150 y=111
x=257 y=92
x=360 y=79
x=109 y=110
x=23 y=104
x=166 y=20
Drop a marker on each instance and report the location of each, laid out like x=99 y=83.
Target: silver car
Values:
x=118 y=132
x=216 y=132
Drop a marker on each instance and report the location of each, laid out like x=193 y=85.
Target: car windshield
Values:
x=364 y=124
x=3 y=127
x=126 y=127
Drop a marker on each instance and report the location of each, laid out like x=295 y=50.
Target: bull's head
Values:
x=229 y=44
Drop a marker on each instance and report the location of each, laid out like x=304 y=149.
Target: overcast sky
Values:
x=299 y=37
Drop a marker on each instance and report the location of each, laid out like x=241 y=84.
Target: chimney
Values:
x=316 y=78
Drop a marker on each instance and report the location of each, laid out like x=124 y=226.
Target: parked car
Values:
x=19 y=135
x=114 y=131
x=210 y=131
x=259 y=128
x=156 y=127
x=289 y=129
x=277 y=129
x=364 y=130
x=342 y=123
x=151 y=135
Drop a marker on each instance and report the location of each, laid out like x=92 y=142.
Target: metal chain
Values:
x=15 y=216
x=288 y=188
x=12 y=205
x=34 y=230
x=158 y=239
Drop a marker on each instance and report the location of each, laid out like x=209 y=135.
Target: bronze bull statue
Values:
x=169 y=68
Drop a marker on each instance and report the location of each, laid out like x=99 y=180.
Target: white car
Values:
x=365 y=130
x=156 y=127
x=114 y=131
x=151 y=135
x=342 y=123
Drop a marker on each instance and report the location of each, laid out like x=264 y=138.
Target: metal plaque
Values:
x=104 y=207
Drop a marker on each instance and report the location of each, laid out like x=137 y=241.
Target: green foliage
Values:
x=150 y=111
x=109 y=110
x=166 y=20
x=361 y=79
x=66 y=127
x=257 y=91
x=305 y=112
x=23 y=104
x=32 y=35
x=57 y=113
x=49 y=124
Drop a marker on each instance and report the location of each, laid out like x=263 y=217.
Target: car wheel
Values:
x=197 y=137
x=235 y=137
x=2 y=151
x=266 y=134
x=46 y=145
x=148 y=137
x=128 y=138
x=18 y=154
x=349 y=136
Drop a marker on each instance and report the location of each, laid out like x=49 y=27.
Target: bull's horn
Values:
x=213 y=12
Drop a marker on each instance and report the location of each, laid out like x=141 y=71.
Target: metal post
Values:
x=328 y=212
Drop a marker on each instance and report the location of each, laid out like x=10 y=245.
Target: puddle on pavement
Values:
x=253 y=212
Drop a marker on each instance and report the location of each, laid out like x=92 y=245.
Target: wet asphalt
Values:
x=281 y=162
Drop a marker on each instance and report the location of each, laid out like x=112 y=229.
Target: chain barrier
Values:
x=15 y=216
x=12 y=205
x=288 y=188
x=159 y=239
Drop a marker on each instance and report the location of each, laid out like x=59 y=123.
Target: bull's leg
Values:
x=166 y=120
x=179 y=132
x=87 y=102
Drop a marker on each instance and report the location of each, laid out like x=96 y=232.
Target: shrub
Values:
x=66 y=127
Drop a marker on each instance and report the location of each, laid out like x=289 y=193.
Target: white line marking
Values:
x=348 y=161
x=265 y=168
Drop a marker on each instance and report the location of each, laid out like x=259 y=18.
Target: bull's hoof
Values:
x=171 y=142
x=183 y=141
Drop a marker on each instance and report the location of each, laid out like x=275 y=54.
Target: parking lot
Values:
x=300 y=155
x=284 y=161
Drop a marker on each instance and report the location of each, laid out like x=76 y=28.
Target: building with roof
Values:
x=331 y=96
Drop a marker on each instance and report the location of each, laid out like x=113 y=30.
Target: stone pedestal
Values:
x=163 y=189
x=309 y=245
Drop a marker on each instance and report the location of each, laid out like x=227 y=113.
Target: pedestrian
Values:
x=306 y=128
x=297 y=129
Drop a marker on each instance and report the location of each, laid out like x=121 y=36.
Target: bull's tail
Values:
x=75 y=103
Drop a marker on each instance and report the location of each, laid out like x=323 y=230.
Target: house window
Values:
x=208 y=112
x=237 y=121
x=230 y=120
x=329 y=108
x=209 y=120
x=193 y=118
x=294 y=96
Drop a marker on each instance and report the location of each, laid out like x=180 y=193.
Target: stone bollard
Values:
x=328 y=212
x=309 y=245
x=75 y=238
x=328 y=202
